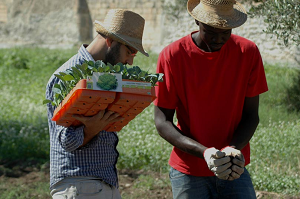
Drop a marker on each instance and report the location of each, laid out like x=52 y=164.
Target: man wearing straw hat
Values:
x=212 y=79
x=83 y=159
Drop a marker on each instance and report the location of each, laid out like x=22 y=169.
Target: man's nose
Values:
x=217 y=38
x=130 y=60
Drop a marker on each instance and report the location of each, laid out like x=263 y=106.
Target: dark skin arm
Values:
x=248 y=123
x=168 y=131
x=244 y=133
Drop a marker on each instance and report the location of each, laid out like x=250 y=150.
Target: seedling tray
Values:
x=87 y=102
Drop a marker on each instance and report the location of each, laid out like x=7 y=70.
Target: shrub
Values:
x=293 y=94
x=14 y=59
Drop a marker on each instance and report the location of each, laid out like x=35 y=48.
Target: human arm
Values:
x=242 y=135
x=164 y=124
x=215 y=159
x=72 y=138
x=248 y=123
x=95 y=124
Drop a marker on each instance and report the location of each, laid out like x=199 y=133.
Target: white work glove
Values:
x=237 y=160
x=218 y=163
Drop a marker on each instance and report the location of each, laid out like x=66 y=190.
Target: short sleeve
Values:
x=165 y=91
x=257 y=82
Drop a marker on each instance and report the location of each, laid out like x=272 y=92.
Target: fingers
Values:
x=102 y=115
x=230 y=174
x=80 y=118
x=237 y=169
x=224 y=175
x=99 y=115
x=238 y=162
x=83 y=119
x=220 y=154
x=230 y=151
x=233 y=176
x=221 y=161
x=223 y=171
x=222 y=168
x=116 y=119
x=108 y=115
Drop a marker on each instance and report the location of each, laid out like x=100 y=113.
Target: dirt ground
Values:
x=129 y=183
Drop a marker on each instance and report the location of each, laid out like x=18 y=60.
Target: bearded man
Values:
x=83 y=159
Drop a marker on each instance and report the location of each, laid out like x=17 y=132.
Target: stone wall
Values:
x=149 y=9
x=51 y=23
x=68 y=23
x=271 y=51
x=3 y=12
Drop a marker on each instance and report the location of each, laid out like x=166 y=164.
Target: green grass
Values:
x=24 y=189
x=24 y=131
x=23 y=118
x=273 y=105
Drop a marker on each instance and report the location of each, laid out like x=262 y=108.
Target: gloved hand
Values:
x=218 y=163
x=238 y=162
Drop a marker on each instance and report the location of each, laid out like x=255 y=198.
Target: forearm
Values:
x=70 y=138
x=175 y=136
x=88 y=136
x=244 y=131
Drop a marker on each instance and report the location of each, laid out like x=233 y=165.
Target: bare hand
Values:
x=94 y=124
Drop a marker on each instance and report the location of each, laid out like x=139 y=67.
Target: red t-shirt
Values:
x=208 y=89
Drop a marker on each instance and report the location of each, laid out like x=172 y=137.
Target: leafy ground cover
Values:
x=24 y=139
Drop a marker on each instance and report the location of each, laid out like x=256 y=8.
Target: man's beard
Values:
x=113 y=55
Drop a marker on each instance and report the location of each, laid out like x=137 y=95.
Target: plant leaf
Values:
x=56 y=90
x=59 y=76
x=62 y=73
x=107 y=69
x=100 y=69
x=68 y=78
x=56 y=86
x=84 y=66
x=46 y=101
x=91 y=63
x=78 y=72
x=117 y=68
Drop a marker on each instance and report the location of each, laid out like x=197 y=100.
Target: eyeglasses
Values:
x=133 y=52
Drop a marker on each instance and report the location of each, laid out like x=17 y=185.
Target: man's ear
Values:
x=108 y=42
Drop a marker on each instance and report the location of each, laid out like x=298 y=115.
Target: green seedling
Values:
x=69 y=78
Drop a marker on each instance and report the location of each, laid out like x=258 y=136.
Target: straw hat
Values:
x=123 y=26
x=223 y=14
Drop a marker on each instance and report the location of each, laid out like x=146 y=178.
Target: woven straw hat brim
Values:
x=218 y=20
x=100 y=28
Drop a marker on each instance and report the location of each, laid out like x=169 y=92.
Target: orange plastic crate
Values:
x=129 y=103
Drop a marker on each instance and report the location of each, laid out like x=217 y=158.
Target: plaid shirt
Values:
x=96 y=159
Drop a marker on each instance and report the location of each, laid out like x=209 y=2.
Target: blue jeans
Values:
x=193 y=187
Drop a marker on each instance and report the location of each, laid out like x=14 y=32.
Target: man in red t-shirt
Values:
x=212 y=79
